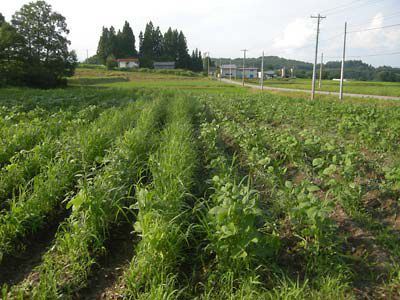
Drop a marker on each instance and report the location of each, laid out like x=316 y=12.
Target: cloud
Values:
x=296 y=34
x=375 y=39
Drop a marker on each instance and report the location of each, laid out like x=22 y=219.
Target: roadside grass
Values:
x=353 y=87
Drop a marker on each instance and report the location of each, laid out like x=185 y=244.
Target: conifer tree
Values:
x=147 y=47
x=102 y=46
x=183 y=57
x=127 y=42
x=157 y=39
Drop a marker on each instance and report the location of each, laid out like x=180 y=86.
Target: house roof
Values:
x=250 y=68
x=127 y=60
x=229 y=66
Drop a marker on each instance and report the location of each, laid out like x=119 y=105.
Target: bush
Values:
x=111 y=63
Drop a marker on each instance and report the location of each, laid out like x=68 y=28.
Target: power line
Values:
x=350 y=6
x=375 y=28
x=340 y=6
x=366 y=55
x=379 y=18
x=332 y=37
x=380 y=54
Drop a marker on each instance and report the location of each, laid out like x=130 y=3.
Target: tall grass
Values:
x=96 y=208
x=24 y=165
x=30 y=211
x=162 y=220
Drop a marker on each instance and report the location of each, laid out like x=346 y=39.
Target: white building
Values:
x=228 y=71
x=128 y=63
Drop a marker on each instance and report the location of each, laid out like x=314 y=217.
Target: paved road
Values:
x=306 y=91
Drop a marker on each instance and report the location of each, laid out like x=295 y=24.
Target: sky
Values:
x=224 y=27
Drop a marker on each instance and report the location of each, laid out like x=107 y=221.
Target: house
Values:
x=212 y=71
x=167 y=65
x=269 y=74
x=249 y=73
x=228 y=71
x=128 y=63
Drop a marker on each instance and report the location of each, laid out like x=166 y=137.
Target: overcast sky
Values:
x=224 y=27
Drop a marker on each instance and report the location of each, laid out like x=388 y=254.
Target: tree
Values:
x=111 y=42
x=127 y=42
x=2 y=19
x=153 y=46
x=111 y=62
x=183 y=58
x=157 y=39
x=11 y=67
x=93 y=60
x=170 y=45
x=44 y=54
x=196 y=64
x=102 y=50
x=147 y=47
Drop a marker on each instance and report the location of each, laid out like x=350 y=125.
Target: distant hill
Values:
x=354 y=69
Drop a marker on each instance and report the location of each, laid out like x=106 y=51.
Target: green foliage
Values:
x=119 y=45
x=153 y=47
x=111 y=62
x=237 y=195
x=31 y=59
x=162 y=220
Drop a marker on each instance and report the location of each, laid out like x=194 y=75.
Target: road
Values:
x=268 y=88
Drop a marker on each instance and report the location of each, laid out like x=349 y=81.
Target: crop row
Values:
x=304 y=176
x=98 y=206
x=24 y=165
x=32 y=208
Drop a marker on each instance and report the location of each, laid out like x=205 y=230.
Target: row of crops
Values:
x=236 y=197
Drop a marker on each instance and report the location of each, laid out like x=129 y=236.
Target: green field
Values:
x=140 y=185
x=353 y=87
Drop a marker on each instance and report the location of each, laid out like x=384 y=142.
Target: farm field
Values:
x=135 y=185
x=353 y=87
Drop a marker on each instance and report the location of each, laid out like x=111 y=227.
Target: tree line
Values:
x=34 y=47
x=354 y=69
x=154 y=46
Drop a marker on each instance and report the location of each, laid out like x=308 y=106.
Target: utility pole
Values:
x=244 y=62
x=319 y=17
x=207 y=54
x=208 y=64
x=220 y=69
x=87 y=55
x=230 y=69
x=320 y=71
x=262 y=72
x=343 y=59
